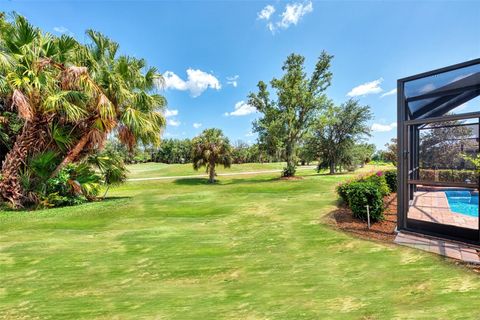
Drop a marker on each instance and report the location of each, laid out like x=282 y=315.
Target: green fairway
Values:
x=151 y=170
x=249 y=247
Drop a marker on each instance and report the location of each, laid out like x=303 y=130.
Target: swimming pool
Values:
x=463 y=202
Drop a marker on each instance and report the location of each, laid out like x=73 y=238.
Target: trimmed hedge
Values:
x=446 y=175
x=360 y=195
x=368 y=190
x=379 y=180
x=391 y=178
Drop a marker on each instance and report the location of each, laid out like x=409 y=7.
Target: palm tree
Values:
x=70 y=97
x=210 y=148
x=111 y=166
x=32 y=64
x=124 y=101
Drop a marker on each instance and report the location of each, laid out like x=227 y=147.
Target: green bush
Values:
x=427 y=174
x=379 y=180
x=343 y=190
x=361 y=194
x=74 y=184
x=391 y=178
x=448 y=175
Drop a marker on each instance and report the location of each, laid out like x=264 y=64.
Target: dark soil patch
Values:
x=382 y=230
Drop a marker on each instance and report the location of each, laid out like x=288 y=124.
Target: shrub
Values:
x=448 y=175
x=427 y=174
x=74 y=184
x=379 y=180
x=361 y=194
x=391 y=179
x=343 y=190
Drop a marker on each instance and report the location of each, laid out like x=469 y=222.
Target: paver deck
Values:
x=432 y=206
x=454 y=250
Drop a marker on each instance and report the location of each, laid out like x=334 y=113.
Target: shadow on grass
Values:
x=222 y=181
x=109 y=198
x=5 y=208
x=335 y=174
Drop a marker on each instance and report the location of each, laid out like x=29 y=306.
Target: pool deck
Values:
x=450 y=249
x=432 y=206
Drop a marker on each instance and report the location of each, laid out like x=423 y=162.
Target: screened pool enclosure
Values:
x=438 y=143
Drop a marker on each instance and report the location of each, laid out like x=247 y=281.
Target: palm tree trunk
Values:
x=30 y=140
x=72 y=154
x=105 y=194
x=211 y=169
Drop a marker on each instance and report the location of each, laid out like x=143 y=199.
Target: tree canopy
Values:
x=337 y=130
x=299 y=99
x=209 y=149
x=69 y=97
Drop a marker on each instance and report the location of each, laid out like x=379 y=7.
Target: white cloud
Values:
x=171 y=113
x=389 y=93
x=366 y=88
x=271 y=27
x=427 y=88
x=377 y=127
x=197 y=125
x=197 y=82
x=294 y=12
x=173 y=122
x=62 y=30
x=266 y=12
x=291 y=15
x=250 y=134
x=233 y=81
x=242 y=109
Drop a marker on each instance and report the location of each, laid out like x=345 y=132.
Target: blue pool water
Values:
x=463 y=202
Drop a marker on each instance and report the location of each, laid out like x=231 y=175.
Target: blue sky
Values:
x=213 y=53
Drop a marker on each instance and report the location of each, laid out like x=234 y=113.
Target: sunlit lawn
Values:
x=149 y=170
x=250 y=247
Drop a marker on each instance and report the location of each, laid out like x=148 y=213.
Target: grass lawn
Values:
x=149 y=170
x=250 y=247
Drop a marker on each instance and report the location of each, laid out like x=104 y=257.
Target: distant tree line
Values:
x=179 y=151
x=298 y=125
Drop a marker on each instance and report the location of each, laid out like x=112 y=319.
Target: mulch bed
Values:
x=383 y=230
x=343 y=219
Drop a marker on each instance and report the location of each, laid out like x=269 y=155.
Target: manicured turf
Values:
x=250 y=247
x=149 y=170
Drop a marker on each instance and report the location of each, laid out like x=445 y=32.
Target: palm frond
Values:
x=67 y=103
x=22 y=104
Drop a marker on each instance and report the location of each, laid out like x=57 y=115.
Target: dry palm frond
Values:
x=43 y=62
x=96 y=138
x=71 y=76
x=23 y=106
x=127 y=137
x=75 y=185
x=105 y=108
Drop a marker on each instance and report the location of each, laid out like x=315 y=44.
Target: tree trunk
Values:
x=72 y=154
x=105 y=194
x=31 y=140
x=211 y=173
x=332 y=167
x=290 y=154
